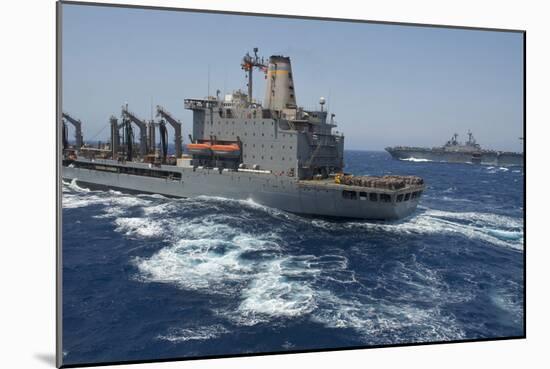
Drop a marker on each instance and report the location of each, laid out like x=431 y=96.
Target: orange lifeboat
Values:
x=199 y=149
x=231 y=150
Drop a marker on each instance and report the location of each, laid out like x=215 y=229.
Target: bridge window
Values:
x=399 y=198
x=384 y=197
x=407 y=197
x=362 y=196
x=349 y=195
x=373 y=196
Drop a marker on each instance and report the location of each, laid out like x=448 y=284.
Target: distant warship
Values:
x=455 y=152
x=276 y=154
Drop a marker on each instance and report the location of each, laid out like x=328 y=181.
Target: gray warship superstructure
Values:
x=276 y=154
x=455 y=152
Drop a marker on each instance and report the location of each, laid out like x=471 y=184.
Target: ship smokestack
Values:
x=279 y=93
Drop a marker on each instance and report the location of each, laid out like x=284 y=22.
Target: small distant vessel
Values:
x=455 y=152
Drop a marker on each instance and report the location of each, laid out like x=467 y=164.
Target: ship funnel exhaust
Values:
x=279 y=93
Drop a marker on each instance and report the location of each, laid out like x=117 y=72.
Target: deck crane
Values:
x=176 y=124
x=128 y=116
x=78 y=129
x=115 y=136
x=163 y=140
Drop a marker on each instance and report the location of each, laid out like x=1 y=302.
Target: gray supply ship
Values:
x=455 y=152
x=276 y=154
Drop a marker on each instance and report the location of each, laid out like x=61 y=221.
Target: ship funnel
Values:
x=279 y=93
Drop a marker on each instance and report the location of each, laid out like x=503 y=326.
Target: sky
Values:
x=387 y=84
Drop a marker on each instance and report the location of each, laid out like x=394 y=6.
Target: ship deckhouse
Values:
x=277 y=136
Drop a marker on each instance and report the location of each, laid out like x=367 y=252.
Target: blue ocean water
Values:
x=147 y=277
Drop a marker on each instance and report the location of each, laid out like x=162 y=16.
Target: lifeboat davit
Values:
x=199 y=149
x=227 y=151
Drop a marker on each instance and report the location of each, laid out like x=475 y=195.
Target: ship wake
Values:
x=262 y=263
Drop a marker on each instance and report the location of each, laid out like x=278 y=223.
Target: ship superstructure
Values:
x=453 y=151
x=274 y=153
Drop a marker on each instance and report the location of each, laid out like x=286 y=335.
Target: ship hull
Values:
x=486 y=158
x=279 y=192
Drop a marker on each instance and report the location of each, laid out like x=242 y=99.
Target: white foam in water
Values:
x=487 y=219
x=194 y=334
x=114 y=203
x=282 y=286
x=73 y=201
x=139 y=227
x=205 y=256
x=74 y=186
x=128 y=201
x=416 y=160
x=251 y=204
x=385 y=318
x=159 y=209
x=111 y=212
x=209 y=255
x=271 y=294
x=507 y=235
x=482 y=226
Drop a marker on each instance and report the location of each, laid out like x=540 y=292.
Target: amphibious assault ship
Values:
x=455 y=152
x=276 y=154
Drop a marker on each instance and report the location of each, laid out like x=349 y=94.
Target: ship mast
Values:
x=248 y=64
x=471 y=140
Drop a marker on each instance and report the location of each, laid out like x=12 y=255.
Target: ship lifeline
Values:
x=276 y=154
x=455 y=152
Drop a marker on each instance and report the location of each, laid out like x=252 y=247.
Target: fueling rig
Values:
x=122 y=145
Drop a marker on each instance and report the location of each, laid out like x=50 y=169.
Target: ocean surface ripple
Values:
x=148 y=277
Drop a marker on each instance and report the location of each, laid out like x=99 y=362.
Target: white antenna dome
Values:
x=322 y=100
